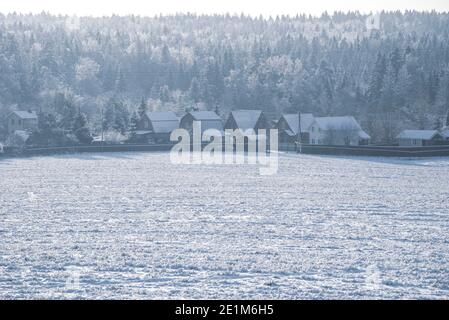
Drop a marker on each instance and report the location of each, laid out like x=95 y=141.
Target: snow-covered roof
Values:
x=338 y=123
x=211 y=124
x=363 y=135
x=417 y=134
x=25 y=114
x=209 y=120
x=204 y=115
x=162 y=116
x=142 y=132
x=24 y=135
x=163 y=121
x=292 y=121
x=246 y=119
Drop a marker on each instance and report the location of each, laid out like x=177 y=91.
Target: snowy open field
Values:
x=132 y=225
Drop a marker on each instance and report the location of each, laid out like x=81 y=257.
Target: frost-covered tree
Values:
x=327 y=65
x=143 y=108
x=81 y=130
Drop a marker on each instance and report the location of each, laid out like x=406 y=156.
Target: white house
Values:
x=21 y=121
x=337 y=131
x=418 y=137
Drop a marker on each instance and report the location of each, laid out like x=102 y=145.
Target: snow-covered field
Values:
x=132 y=225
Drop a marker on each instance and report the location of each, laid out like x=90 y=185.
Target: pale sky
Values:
x=264 y=7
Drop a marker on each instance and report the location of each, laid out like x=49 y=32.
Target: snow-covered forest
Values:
x=393 y=78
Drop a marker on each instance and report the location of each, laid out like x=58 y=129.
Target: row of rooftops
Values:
x=248 y=119
x=167 y=121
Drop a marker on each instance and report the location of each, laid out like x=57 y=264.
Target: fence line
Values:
x=380 y=151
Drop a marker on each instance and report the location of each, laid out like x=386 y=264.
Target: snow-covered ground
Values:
x=132 y=225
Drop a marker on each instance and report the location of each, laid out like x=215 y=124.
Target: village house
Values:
x=157 y=126
x=208 y=120
x=419 y=138
x=288 y=127
x=249 y=122
x=21 y=121
x=246 y=120
x=337 y=131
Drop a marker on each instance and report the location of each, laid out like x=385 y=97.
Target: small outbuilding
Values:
x=419 y=138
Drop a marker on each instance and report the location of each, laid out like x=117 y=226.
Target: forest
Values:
x=91 y=74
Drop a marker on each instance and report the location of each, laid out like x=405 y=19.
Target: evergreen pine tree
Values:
x=142 y=109
x=133 y=122
x=81 y=130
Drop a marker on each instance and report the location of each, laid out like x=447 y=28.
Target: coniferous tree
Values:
x=143 y=108
x=328 y=66
x=81 y=130
x=133 y=123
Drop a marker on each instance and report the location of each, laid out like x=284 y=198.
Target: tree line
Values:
x=84 y=74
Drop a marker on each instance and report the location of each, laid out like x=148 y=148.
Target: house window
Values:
x=313 y=140
x=313 y=129
x=12 y=121
x=20 y=122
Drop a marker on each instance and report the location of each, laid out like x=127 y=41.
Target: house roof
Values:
x=417 y=134
x=24 y=135
x=292 y=121
x=246 y=119
x=211 y=124
x=342 y=123
x=25 y=114
x=163 y=121
x=338 y=123
x=209 y=120
x=363 y=135
x=143 y=132
x=204 y=115
x=162 y=116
